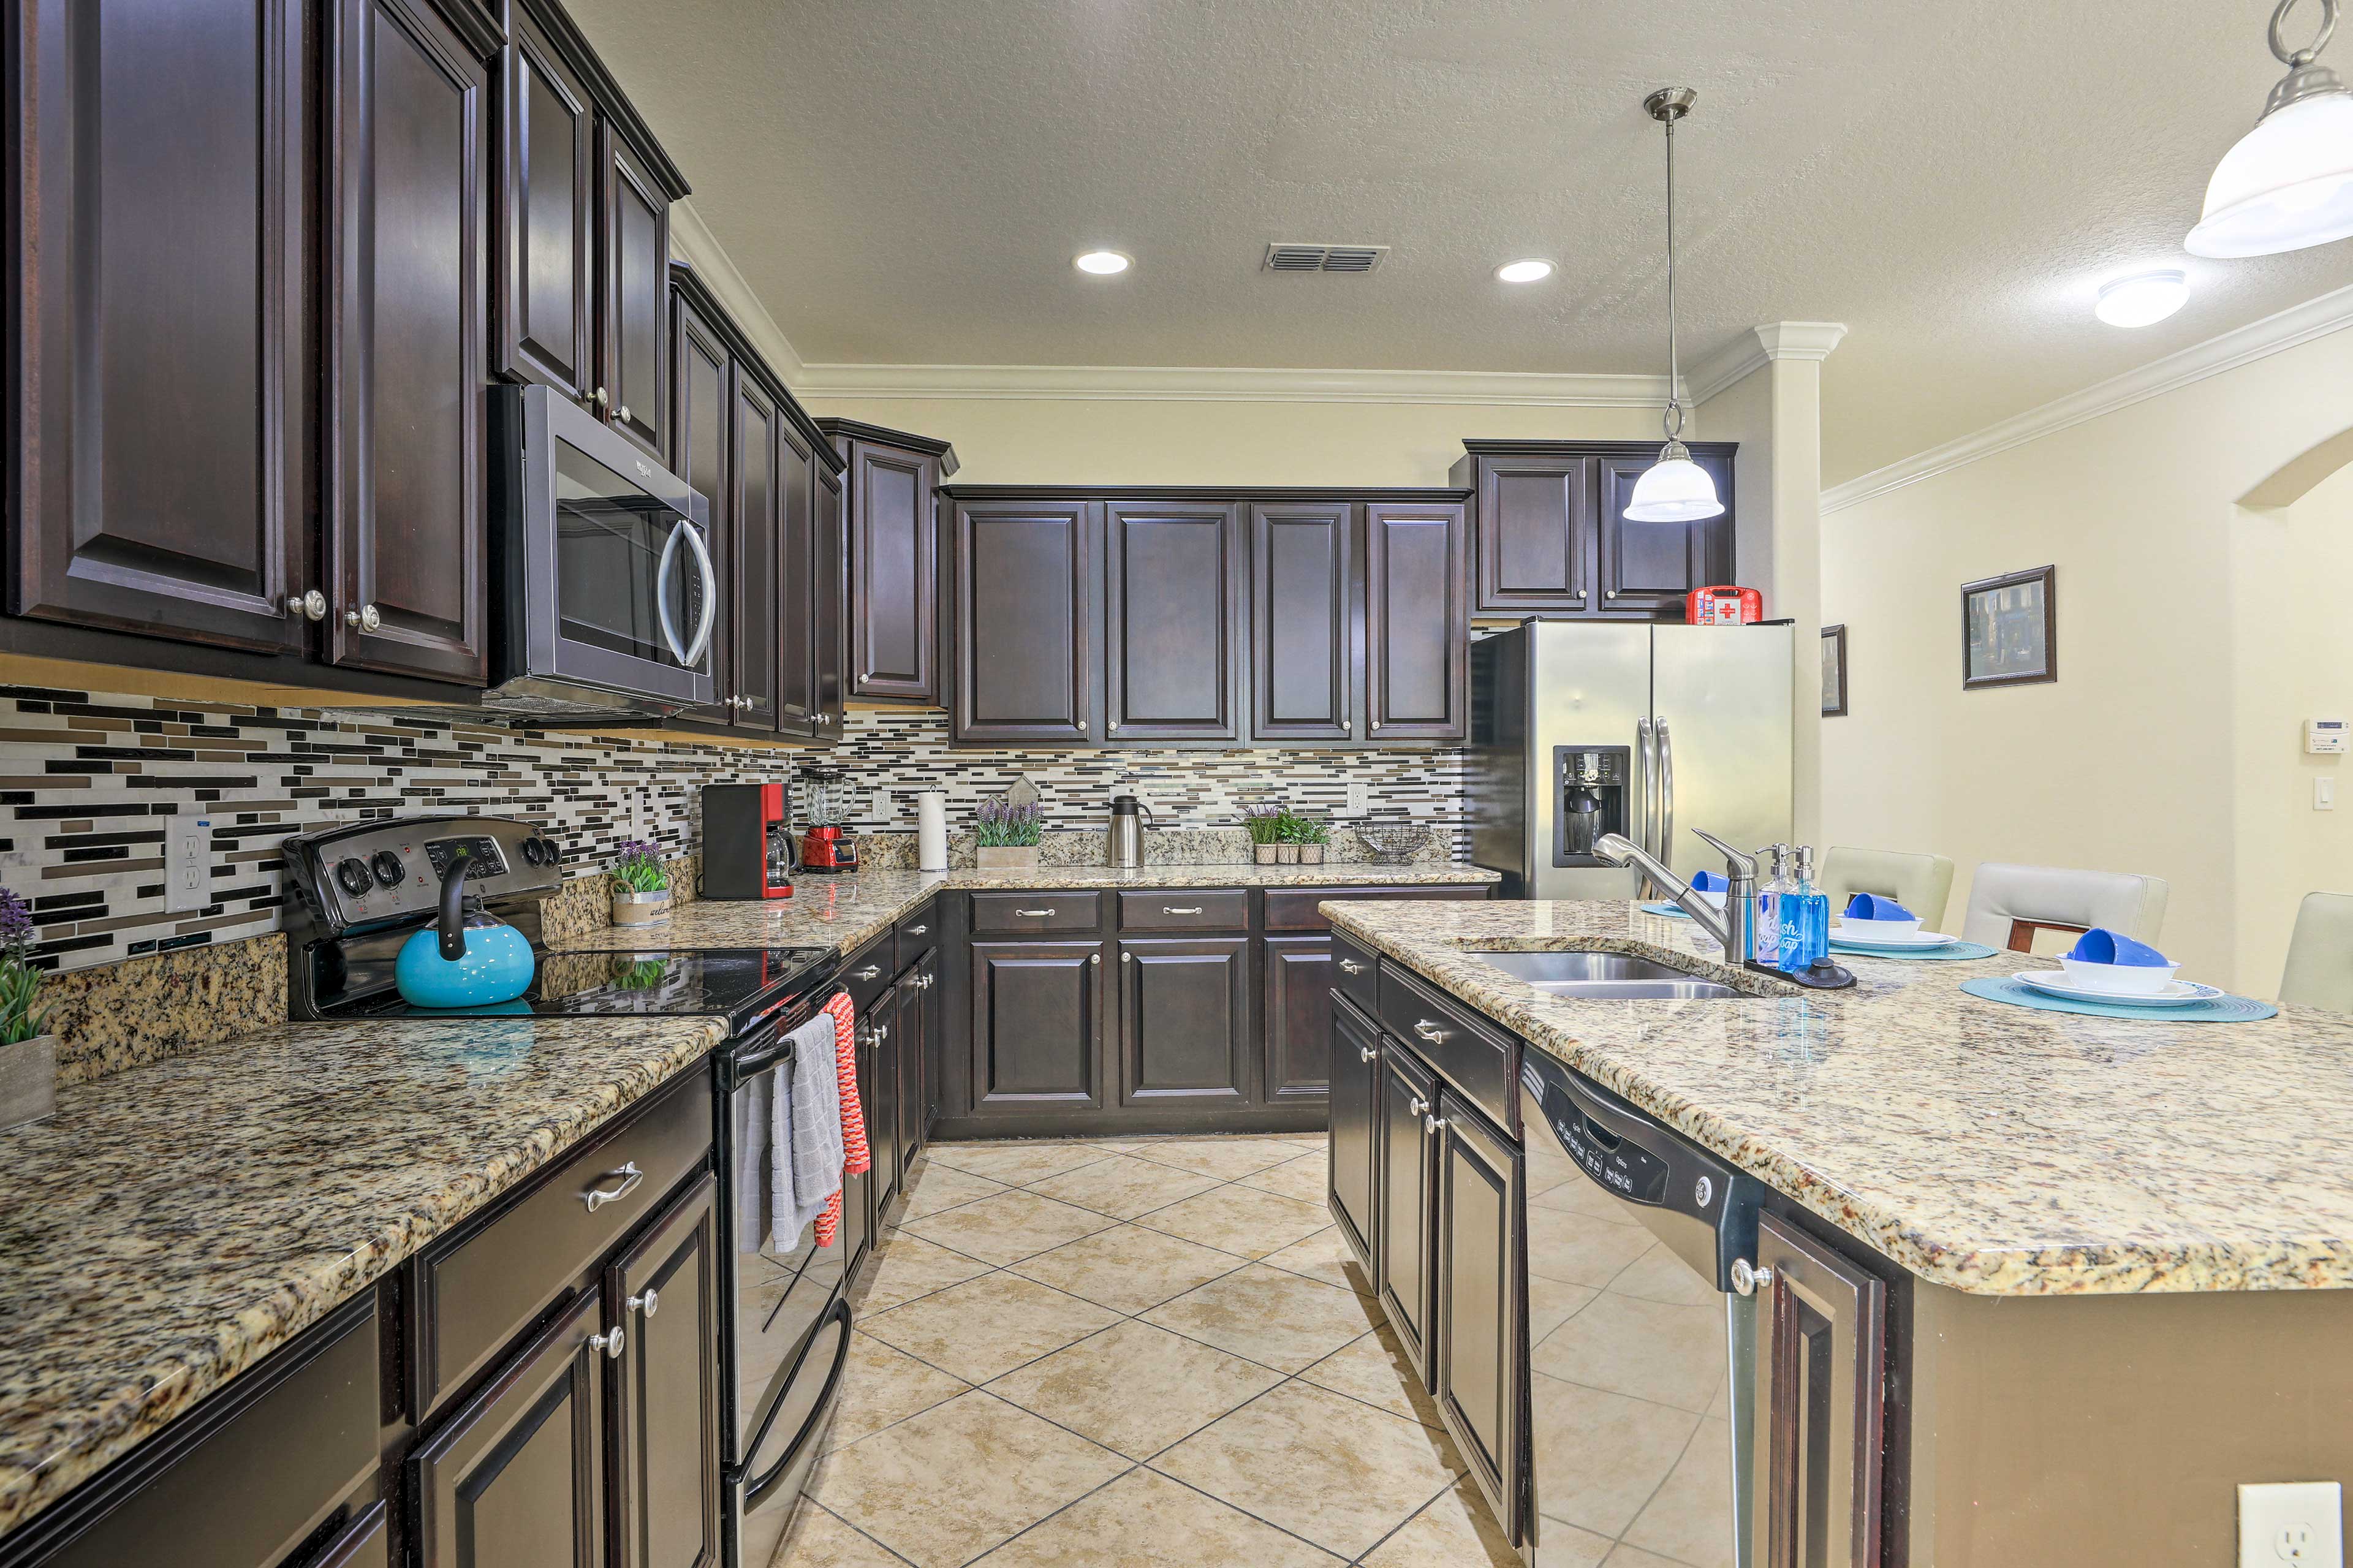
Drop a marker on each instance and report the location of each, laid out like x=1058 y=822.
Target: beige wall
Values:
x=1028 y=441
x=2165 y=747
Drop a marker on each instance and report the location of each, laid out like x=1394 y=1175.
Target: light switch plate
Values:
x=188 y=864
x=2324 y=793
x=2292 y=1524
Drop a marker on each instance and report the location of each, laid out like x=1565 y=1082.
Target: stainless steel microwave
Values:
x=604 y=586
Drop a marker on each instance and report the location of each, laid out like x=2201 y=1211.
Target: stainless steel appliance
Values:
x=1124 y=839
x=1641 y=1398
x=364 y=889
x=1581 y=731
x=604 y=590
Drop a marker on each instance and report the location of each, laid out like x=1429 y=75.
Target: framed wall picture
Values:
x=2009 y=630
x=1834 y=671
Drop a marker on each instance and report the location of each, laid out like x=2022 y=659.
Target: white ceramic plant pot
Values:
x=1264 y=853
x=1311 y=854
x=631 y=907
x=29 y=1081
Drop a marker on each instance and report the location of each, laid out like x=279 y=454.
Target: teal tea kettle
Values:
x=466 y=959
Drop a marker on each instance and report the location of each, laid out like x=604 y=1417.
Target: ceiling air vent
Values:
x=1282 y=257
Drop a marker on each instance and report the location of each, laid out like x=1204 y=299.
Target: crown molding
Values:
x=2241 y=345
x=1758 y=347
x=1188 y=383
x=691 y=242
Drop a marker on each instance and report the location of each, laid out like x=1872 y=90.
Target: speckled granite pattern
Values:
x=1988 y=1148
x=172 y=1225
x=584 y=902
x=119 y=1016
x=842 y=912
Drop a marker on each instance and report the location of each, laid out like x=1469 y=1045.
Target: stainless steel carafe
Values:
x=1124 y=834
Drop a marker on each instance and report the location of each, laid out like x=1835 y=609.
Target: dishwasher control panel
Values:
x=1632 y=1174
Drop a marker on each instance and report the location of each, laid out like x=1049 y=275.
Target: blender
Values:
x=829 y=846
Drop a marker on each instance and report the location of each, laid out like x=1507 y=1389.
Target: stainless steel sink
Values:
x=1605 y=976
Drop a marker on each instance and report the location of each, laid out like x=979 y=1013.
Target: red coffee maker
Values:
x=828 y=801
x=747 y=842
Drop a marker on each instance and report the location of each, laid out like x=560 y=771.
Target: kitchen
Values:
x=747 y=824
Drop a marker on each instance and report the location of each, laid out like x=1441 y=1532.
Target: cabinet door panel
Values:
x=759 y=520
x=1650 y=566
x=1417 y=627
x=1025 y=586
x=1536 y=534
x=161 y=409
x=548 y=247
x=408 y=538
x=892 y=565
x=515 y=1479
x=1036 y=1011
x=1477 y=1351
x=829 y=570
x=702 y=452
x=1172 y=622
x=1355 y=1072
x=796 y=588
x=1405 y=1199
x=636 y=264
x=1822 y=1344
x=662 y=1292
x=1298 y=1018
x=1304 y=636
x=882 y=1104
x=1184 y=1010
x=916 y=1006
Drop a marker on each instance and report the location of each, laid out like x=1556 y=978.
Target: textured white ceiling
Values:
x=905 y=181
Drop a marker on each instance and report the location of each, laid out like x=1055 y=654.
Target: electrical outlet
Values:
x=1360 y=797
x=188 y=864
x=2324 y=793
x=2292 y=1524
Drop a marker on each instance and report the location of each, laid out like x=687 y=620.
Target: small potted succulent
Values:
x=1007 y=834
x=641 y=885
x=29 y=1054
x=1265 y=825
x=1310 y=834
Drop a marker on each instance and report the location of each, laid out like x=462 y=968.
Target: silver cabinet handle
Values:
x=1034 y=914
x=365 y=617
x=1111 y=725
x=1428 y=1031
x=311 y=607
x=1416 y=1106
x=881 y=1033
x=600 y=397
x=1578 y=593
x=1095 y=958
x=1180 y=908
x=1748 y=1280
x=869 y=972
x=918 y=931
x=622 y=413
x=597 y=1197
x=1351 y=966
x=1365 y=1054
x=648 y=1303
x=613 y=1341
x=1127 y=958
x=1610 y=594
x=1432 y=1123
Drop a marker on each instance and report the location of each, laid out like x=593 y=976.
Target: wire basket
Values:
x=1393 y=844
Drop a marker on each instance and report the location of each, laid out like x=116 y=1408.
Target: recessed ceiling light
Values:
x=2142 y=300
x=1102 y=263
x=1530 y=270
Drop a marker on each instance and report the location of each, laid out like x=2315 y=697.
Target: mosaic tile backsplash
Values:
x=90 y=783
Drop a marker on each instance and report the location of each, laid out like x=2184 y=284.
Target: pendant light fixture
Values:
x=2288 y=183
x=1674 y=489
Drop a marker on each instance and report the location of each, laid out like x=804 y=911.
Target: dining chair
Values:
x=1921 y=883
x=2010 y=905
x=2320 y=954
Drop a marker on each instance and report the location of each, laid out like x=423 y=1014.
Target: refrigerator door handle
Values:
x=1666 y=793
x=1647 y=820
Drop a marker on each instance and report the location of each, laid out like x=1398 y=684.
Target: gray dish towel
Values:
x=805 y=1129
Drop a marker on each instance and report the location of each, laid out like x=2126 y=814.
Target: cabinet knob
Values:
x=1610 y=594
x=599 y=395
x=613 y=1341
x=1579 y=593
x=311 y=607
x=1095 y=958
x=1416 y=1106
x=1366 y=1053
x=622 y=413
x=1111 y=726
x=648 y=1303
x=1127 y=958
x=1082 y=726
x=1376 y=723
x=1432 y=1123
x=365 y=617
x=1747 y=1279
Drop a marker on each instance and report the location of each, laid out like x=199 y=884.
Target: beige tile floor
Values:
x=1148 y=1351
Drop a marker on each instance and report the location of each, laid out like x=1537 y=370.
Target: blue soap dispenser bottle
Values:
x=1814 y=910
x=1769 y=908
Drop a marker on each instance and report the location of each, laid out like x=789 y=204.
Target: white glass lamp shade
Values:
x=2287 y=185
x=1673 y=490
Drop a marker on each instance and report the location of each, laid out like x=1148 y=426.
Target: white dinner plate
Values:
x=2175 y=994
x=1890 y=943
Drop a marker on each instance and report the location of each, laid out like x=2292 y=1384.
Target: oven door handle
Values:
x=778 y=1046
x=757 y=1490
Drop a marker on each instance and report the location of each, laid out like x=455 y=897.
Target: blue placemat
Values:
x=1673 y=912
x=2220 y=1010
x=1950 y=951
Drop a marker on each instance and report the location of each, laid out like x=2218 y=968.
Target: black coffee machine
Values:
x=1591 y=783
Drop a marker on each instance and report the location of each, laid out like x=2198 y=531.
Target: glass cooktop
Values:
x=739 y=983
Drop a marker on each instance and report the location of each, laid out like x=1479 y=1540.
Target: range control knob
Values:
x=389 y=871
x=353 y=876
x=549 y=855
x=531 y=851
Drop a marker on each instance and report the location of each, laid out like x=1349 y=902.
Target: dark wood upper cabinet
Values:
x=1184 y=1021
x=830 y=525
x=635 y=261
x=1303 y=641
x=547 y=255
x=1025 y=612
x=1417 y=623
x=758 y=515
x=162 y=397
x=1535 y=535
x=893 y=555
x=1646 y=568
x=702 y=452
x=1172 y=622
x=407 y=536
x=663 y=1294
x=795 y=589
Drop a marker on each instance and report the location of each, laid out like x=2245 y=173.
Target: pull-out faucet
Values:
x=1735 y=925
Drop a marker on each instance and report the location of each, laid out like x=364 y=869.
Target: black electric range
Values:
x=745 y=985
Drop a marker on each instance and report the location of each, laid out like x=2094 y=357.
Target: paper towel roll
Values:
x=932 y=830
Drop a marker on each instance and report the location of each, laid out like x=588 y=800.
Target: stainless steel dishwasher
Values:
x=1642 y=1357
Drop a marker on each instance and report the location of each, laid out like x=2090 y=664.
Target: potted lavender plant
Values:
x=1007 y=834
x=1265 y=825
x=29 y=1054
x=640 y=886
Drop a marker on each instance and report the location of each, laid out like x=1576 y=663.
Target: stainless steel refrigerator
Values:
x=1647 y=730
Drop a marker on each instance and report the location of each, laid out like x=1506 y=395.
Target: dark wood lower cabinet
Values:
x=918 y=1004
x=365 y=1543
x=1356 y=1069
x=516 y=1478
x=662 y=1294
x=883 y=1098
x=1297 y=1012
x=1184 y=1020
x=1037 y=1019
x=1821 y=1338
x=1477 y=1341
x=1404 y=1178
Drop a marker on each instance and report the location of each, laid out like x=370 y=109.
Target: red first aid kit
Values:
x=1722 y=604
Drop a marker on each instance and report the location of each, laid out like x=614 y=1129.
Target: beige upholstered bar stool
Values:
x=2009 y=904
x=2320 y=954
x=1921 y=883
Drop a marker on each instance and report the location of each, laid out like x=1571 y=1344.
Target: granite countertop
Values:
x=1993 y=1149
x=842 y=912
x=177 y=1223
